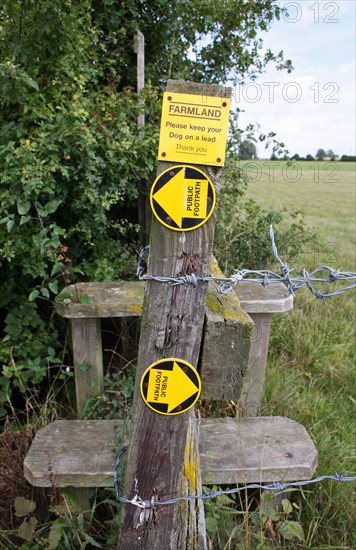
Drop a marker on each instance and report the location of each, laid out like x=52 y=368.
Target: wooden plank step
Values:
x=255 y=449
x=125 y=299
x=255 y=298
x=224 y=351
x=82 y=453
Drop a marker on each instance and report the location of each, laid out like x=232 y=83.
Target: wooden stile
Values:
x=224 y=353
x=227 y=346
x=82 y=453
x=164 y=460
x=163 y=457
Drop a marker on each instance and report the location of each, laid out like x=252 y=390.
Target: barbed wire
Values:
x=276 y=486
x=265 y=277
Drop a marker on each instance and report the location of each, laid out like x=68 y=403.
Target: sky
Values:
x=314 y=106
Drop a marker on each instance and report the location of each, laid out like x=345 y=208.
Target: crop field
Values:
x=324 y=191
x=311 y=367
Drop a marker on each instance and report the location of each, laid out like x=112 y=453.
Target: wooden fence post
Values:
x=87 y=349
x=144 y=213
x=163 y=457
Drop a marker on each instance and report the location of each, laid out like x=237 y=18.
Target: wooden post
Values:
x=163 y=458
x=226 y=346
x=260 y=303
x=144 y=214
x=87 y=350
x=139 y=47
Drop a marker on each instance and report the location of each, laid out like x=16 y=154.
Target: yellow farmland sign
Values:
x=194 y=128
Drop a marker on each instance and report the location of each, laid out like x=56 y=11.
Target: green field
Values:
x=324 y=191
x=311 y=362
x=311 y=370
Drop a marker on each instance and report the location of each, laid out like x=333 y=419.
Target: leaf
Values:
x=84 y=299
x=23 y=506
x=27 y=529
x=270 y=513
x=286 y=506
x=45 y=292
x=34 y=294
x=255 y=517
x=10 y=224
x=52 y=206
x=53 y=286
x=24 y=219
x=90 y=540
x=23 y=206
x=211 y=525
x=31 y=83
x=55 y=535
x=57 y=268
x=290 y=530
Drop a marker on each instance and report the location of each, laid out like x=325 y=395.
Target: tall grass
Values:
x=311 y=364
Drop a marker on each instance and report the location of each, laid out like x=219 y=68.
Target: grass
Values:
x=324 y=191
x=311 y=365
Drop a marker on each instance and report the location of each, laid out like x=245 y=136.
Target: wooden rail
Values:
x=228 y=364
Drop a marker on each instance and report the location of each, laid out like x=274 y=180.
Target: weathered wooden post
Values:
x=163 y=457
x=86 y=338
x=144 y=214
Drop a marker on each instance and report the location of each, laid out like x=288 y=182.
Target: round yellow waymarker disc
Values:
x=182 y=198
x=170 y=386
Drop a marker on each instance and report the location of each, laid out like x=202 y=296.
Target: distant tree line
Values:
x=321 y=154
x=247 y=151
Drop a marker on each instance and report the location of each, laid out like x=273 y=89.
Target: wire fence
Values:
x=276 y=487
x=265 y=277
x=225 y=285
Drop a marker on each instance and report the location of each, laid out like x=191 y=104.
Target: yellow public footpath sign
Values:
x=182 y=198
x=194 y=128
x=170 y=386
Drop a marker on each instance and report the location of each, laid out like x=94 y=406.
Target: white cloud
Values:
x=314 y=105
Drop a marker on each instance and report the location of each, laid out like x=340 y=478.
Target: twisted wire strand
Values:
x=276 y=486
x=265 y=277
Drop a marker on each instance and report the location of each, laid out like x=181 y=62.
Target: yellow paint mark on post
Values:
x=170 y=386
x=194 y=128
x=182 y=198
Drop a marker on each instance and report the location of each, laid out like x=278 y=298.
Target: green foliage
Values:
x=247 y=150
x=70 y=164
x=320 y=154
x=116 y=399
x=70 y=529
x=232 y=522
x=73 y=160
x=242 y=237
x=28 y=362
x=198 y=40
